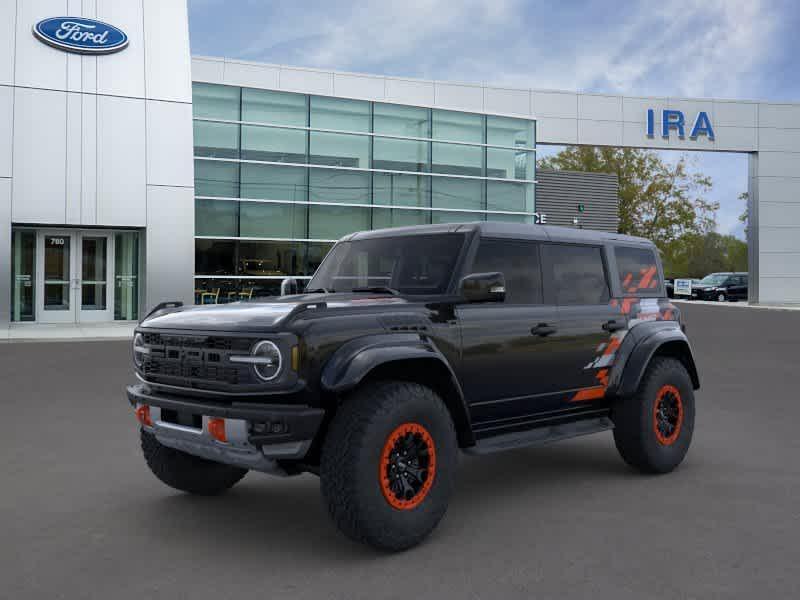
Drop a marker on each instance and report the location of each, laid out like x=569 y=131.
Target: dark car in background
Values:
x=721 y=287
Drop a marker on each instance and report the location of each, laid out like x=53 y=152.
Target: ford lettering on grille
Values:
x=196 y=361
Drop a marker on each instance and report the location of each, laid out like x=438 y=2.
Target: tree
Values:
x=745 y=216
x=694 y=255
x=657 y=200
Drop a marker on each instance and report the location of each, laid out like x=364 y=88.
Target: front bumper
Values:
x=709 y=294
x=257 y=435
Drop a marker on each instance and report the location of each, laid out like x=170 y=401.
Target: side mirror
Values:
x=289 y=287
x=483 y=287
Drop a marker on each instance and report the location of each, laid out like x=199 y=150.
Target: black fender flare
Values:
x=359 y=357
x=634 y=356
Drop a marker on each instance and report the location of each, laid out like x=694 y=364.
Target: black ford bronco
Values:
x=407 y=347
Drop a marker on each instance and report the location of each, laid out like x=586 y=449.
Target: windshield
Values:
x=713 y=279
x=411 y=264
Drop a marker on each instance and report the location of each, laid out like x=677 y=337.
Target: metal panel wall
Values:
x=40 y=156
x=169 y=245
x=167 y=59
x=122 y=73
x=121 y=162
x=7 y=39
x=6 y=129
x=558 y=194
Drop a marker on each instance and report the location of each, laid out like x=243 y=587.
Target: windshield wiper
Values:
x=320 y=290
x=376 y=289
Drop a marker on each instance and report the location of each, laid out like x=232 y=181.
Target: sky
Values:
x=710 y=48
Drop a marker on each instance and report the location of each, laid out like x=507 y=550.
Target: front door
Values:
x=73 y=280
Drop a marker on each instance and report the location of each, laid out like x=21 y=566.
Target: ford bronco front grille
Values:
x=196 y=361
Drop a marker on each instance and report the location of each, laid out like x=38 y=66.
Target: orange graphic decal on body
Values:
x=635 y=310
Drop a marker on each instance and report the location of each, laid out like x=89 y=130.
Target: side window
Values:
x=578 y=274
x=638 y=273
x=519 y=264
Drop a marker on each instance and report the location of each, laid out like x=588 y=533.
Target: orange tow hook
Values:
x=216 y=429
x=143 y=415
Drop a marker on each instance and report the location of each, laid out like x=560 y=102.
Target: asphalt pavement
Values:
x=82 y=517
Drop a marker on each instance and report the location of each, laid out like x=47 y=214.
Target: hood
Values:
x=258 y=315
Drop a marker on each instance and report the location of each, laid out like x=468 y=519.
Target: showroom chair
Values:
x=211 y=297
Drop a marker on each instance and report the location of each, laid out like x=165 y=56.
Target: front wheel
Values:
x=721 y=297
x=653 y=427
x=185 y=472
x=388 y=464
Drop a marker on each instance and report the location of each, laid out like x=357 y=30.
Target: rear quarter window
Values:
x=577 y=273
x=638 y=270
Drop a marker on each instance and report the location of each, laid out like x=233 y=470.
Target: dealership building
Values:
x=132 y=173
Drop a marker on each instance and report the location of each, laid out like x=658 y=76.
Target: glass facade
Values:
x=23 y=265
x=280 y=176
x=126 y=276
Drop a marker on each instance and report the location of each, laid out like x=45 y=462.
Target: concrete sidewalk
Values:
x=741 y=304
x=34 y=332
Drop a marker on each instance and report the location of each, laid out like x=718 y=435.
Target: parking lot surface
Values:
x=82 y=517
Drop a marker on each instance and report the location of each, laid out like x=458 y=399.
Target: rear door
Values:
x=576 y=276
x=506 y=359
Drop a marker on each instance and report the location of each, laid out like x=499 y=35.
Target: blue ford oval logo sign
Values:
x=84 y=36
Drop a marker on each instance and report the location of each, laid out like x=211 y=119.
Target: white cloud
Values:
x=697 y=49
x=674 y=47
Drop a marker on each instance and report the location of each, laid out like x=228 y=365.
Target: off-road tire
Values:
x=353 y=456
x=185 y=472
x=636 y=432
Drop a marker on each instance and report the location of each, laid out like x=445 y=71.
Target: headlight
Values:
x=265 y=359
x=139 y=350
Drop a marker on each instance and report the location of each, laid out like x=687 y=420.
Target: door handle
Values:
x=543 y=329
x=613 y=325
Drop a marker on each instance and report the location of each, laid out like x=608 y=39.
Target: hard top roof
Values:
x=506 y=230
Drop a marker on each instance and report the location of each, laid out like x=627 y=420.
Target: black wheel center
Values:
x=407 y=469
x=668 y=414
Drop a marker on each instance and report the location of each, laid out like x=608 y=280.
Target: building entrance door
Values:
x=73 y=279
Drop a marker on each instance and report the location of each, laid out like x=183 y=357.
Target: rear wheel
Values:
x=185 y=472
x=388 y=464
x=653 y=427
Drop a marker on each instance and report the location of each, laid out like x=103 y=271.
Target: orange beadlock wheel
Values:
x=408 y=466
x=667 y=415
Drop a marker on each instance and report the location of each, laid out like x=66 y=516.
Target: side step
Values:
x=540 y=435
